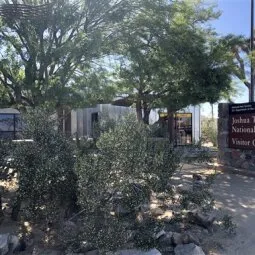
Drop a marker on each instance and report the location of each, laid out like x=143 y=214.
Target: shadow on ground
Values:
x=235 y=195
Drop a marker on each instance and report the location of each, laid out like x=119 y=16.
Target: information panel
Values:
x=242 y=126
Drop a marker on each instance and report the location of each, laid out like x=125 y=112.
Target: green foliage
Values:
x=200 y=195
x=201 y=198
x=47 y=182
x=228 y=224
x=238 y=48
x=210 y=131
x=170 y=59
x=128 y=165
x=48 y=59
x=6 y=148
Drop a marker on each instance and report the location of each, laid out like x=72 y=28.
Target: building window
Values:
x=10 y=126
x=183 y=126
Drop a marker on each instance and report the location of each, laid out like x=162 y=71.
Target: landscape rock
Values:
x=136 y=252
x=177 y=238
x=200 y=219
x=166 y=239
x=192 y=239
x=167 y=250
x=37 y=251
x=184 y=188
x=173 y=238
x=86 y=247
x=167 y=216
x=4 y=244
x=156 y=211
x=199 y=185
x=14 y=244
x=159 y=234
x=72 y=253
x=121 y=211
x=188 y=249
x=70 y=228
x=95 y=252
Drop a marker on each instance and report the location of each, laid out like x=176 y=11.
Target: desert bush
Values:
x=6 y=148
x=228 y=224
x=46 y=169
x=210 y=131
x=128 y=165
x=202 y=199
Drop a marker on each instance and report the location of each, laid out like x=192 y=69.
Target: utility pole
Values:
x=252 y=46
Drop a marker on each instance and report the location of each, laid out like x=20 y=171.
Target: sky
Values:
x=235 y=19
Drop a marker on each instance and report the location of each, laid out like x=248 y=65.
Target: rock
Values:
x=174 y=238
x=245 y=165
x=177 y=238
x=184 y=188
x=70 y=253
x=95 y=252
x=200 y=219
x=86 y=247
x=69 y=229
x=166 y=216
x=4 y=244
x=39 y=251
x=197 y=177
x=205 y=231
x=14 y=244
x=188 y=249
x=135 y=252
x=199 y=185
x=162 y=196
x=70 y=226
x=166 y=240
x=192 y=239
x=167 y=250
x=156 y=211
x=138 y=252
x=159 y=234
x=121 y=211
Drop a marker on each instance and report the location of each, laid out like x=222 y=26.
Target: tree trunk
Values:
x=139 y=111
x=171 y=127
x=60 y=118
x=68 y=122
x=16 y=209
x=146 y=114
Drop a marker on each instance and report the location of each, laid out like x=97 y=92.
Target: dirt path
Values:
x=235 y=195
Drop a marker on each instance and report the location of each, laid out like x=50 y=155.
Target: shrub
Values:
x=6 y=148
x=46 y=168
x=228 y=224
x=128 y=165
x=210 y=131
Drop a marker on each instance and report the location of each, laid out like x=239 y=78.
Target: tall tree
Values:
x=41 y=57
x=172 y=59
x=239 y=48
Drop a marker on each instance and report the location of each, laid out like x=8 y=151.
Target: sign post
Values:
x=242 y=126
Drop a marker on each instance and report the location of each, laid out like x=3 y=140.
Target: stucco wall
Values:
x=244 y=159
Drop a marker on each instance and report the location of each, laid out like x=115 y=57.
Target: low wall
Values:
x=243 y=159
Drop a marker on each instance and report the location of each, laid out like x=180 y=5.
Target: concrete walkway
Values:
x=234 y=195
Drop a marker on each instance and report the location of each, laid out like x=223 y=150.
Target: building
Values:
x=81 y=122
x=10 y=124
x=187 y=123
